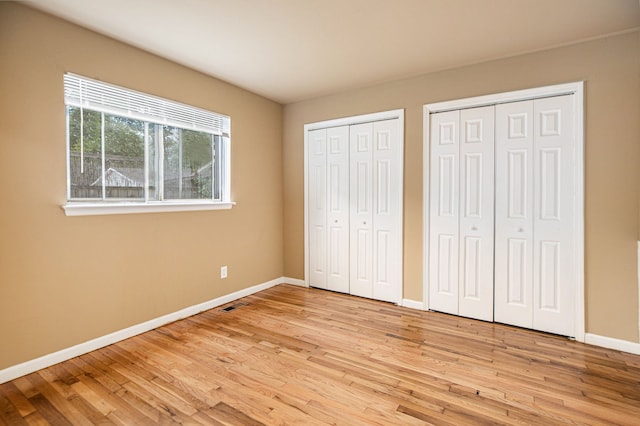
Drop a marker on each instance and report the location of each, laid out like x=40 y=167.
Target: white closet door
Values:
x=317 y=207
x=476 y=213
x=354 y=208
x=534 y=215
x=361 y=241
x=387 y=210
x=553 y=276
x=514 y=214
x=444 y=212
x=338 y=208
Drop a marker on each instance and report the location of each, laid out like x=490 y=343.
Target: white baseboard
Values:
x=45 y=361
x=611 y=343
x=413 y=304
x=294 y=281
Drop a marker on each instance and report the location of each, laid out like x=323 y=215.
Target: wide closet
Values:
x=353 y=205
x=504 y=229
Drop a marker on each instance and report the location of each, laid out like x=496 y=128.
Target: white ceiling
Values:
x=291 y=50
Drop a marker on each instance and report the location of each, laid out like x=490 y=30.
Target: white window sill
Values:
x=107 y=208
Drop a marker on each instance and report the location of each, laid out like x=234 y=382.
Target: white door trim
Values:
x=358 y=119
x=576 y=89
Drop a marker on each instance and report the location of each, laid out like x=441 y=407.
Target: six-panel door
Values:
x=317 y=205
x=476 y=213
x=361 y=247
x=329 y=208
x=514 y=214
x=338 y=208
x=387 y=210
x=444 y=215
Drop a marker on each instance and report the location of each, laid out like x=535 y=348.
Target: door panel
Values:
x=317 y=140
x=376 y=222
x=444 y=212
x=549 y=276
x=553 y=275
x=387 y=210
x=447 y=282
x=476 y=229
x=518 y=182
x=361 y=159
x=383 y=258
x=517 y=271
x=472 y=184
x=471 y=264
x=338 y=208
x=447 y=185
x=513 y=214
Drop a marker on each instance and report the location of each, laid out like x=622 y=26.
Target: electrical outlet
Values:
x=223 y=271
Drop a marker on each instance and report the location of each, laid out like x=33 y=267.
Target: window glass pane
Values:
x=197 y=164
x=85 y=160
x=171 y=169
x=152 y=153
x=124 y=157
x=217 y=167
x=188 y=165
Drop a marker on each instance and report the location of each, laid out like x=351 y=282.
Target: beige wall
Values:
x=611 y=69
x=65 y=280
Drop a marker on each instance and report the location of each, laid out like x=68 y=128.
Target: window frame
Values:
x=218 y=125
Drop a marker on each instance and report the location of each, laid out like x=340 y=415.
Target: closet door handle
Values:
x=520 y=230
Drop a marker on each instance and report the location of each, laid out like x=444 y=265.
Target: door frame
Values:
x=347 y=121
x=577 y=90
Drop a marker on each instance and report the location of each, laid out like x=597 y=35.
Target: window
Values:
x=132 y=152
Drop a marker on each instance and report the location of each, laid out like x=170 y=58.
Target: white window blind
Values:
x=91 y=94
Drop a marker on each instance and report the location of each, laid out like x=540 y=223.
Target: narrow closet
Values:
x=353 y=193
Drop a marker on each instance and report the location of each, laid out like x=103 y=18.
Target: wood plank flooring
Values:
x=290 y=355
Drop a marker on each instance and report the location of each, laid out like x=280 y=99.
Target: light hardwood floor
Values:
x=290 y=355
